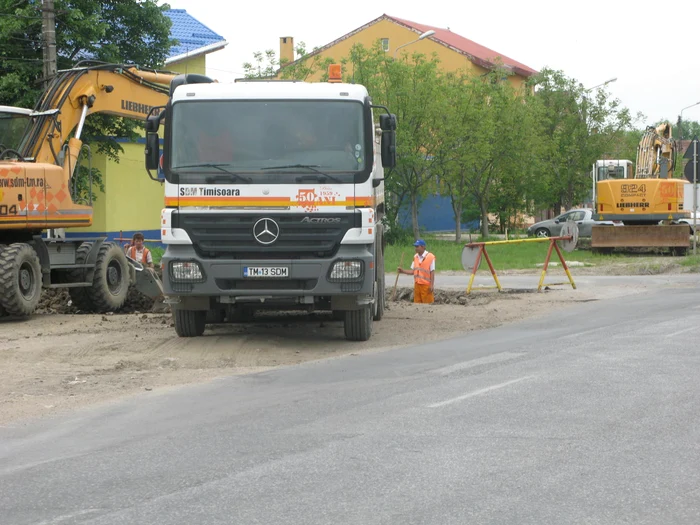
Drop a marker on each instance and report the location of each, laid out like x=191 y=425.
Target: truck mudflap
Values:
x=145 y=279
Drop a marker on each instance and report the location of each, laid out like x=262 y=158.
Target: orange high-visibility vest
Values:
x=132 y=254
x=421 y=270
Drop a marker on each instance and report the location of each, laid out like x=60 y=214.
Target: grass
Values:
x=156 y=252
x=692 y=262
x=504 y=256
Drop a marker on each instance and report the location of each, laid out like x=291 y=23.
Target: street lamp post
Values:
x=601 y=85
x=424 y=35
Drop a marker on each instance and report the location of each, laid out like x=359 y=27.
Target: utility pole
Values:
x=48 y=30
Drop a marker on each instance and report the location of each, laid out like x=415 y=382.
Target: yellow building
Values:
x=126 y=183
x=395 y=34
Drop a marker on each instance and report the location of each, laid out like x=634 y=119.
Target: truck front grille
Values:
x=230 y=236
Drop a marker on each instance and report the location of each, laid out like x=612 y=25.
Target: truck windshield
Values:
x=611 y=172
x=270 y=141
x=12 y=128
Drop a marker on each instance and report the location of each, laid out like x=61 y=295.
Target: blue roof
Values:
x=191 y=34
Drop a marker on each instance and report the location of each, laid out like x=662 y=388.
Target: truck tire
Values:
x=110 y=284
x=20 y=280
x=358 y=324
x=79 y=296
x=190 y=323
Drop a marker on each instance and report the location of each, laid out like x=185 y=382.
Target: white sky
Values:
x=641 y=42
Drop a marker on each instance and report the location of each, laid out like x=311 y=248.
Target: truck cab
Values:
x=274 y=198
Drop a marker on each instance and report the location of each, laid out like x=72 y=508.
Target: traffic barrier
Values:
x=473 y=252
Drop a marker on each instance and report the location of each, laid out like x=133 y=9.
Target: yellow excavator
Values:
x=647 y=199
x=39 y=152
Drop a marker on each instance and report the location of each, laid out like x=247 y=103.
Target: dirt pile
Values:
x=452 y=297
x=58 y=301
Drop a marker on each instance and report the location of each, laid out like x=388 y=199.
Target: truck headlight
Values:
x=186 y=271
x=344 y=271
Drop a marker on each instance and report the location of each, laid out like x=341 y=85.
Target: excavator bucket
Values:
x=148 y=283
x=145 y=279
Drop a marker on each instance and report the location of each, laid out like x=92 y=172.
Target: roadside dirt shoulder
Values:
x=58 y=362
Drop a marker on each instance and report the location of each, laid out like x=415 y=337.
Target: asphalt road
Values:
x=589 y=417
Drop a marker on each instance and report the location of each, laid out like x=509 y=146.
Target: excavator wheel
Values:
x=20 y=280
x=79 y=296
x=110 y=284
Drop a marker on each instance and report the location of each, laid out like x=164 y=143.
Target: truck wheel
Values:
x=110 y=284
x=20 y=280
x=190 y=323
x=79 y=296
x=358 y=324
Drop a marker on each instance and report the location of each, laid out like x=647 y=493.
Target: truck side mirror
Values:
x=389 y=149
x=152 y=151
x=153 y=119
x=387 y=122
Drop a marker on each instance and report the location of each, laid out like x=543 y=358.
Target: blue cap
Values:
x=419 y=242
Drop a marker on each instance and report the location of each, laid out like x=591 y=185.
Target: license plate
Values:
x=265 y=271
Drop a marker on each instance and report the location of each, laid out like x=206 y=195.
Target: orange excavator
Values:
x=39 y=152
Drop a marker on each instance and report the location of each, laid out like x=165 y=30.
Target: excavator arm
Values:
x=121 y=90
x=655 y=149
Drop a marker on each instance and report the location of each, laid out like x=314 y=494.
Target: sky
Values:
x=641 y=43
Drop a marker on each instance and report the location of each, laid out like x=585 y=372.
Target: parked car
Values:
x=583 y=217
x=689 y=221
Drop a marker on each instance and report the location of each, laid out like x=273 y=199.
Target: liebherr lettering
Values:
x=137 y=107
x=632 y=204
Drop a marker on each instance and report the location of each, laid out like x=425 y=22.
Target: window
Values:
x=385 y=45
x=255 y=136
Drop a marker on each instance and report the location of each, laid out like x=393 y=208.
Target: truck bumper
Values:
x=226 y=281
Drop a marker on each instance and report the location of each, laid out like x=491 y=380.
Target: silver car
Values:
x=583 y=217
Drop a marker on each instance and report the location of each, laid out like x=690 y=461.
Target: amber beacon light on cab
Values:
x=274 y=198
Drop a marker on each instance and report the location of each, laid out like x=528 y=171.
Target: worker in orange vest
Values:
x=138 y=252
x=423 y=271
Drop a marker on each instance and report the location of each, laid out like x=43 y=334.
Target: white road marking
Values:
x=585 y=332
x=65 y=517
x=477 y=392
x=496 y=358
x=679 y=332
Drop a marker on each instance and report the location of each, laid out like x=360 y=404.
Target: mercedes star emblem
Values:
x=266 y=231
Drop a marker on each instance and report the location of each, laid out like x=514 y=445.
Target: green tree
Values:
x=485 y=146
x=267 y=65
x=578 y=127
x=128 y=31
x=412 y=88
